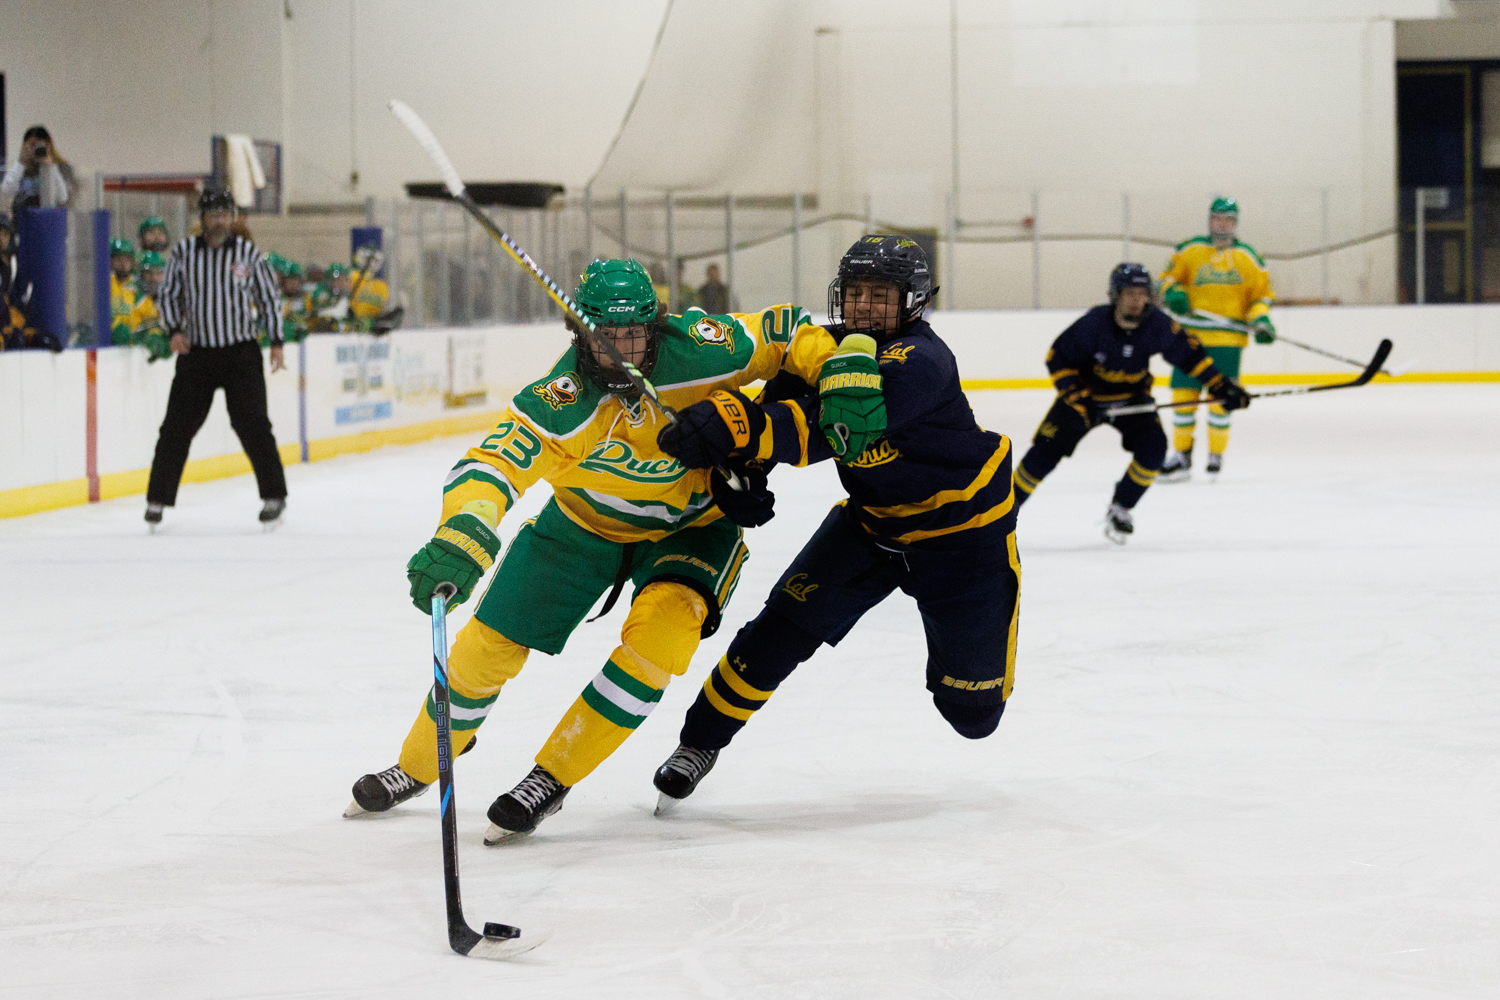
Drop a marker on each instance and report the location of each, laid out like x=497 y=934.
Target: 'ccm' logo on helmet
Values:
x=621 y=309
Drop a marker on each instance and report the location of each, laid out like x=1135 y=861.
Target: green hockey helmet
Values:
x=151 y=222
x=1225 y=206
x=335 y=270
x=117 y=247
x=618 y=294
x=152 y=261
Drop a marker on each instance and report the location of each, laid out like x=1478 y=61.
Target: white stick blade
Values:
x=511 y=947
x=418 y=128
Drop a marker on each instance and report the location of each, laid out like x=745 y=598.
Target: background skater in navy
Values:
x=1103 y=360
x=929 y=512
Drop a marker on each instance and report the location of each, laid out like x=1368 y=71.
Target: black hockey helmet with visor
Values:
x=878 y=259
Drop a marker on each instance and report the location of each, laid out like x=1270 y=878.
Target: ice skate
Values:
x=1178 y=468
x=1119 y=524
x=519 y=810
x=1215 y=463
x=378 y=793
x=153 y=516
x=270 y=513
x=677 y=778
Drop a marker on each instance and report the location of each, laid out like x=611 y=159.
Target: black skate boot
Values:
x=1215 y=463
x=270 y=512
x=519 y=810
x=677 y=778
x=1119 y=524
x=1178 y=468
x=153 y=516
x=377 y=793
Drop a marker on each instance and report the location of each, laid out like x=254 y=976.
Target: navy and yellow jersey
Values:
x=1113 y=364
x=599 y=453
x=936 y=479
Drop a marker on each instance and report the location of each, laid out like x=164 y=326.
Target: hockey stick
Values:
x=1381 y=353
x=1217 y=322
x=498 y=941
x=460 y=193
x=455 y=185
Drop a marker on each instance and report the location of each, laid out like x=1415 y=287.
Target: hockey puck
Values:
x=501 y=932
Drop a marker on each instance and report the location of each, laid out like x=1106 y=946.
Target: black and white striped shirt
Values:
x=219 y=297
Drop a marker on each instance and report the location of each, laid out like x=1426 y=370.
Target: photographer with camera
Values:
x=40 y=177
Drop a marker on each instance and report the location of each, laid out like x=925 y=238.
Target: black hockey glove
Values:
x=707 y=433
x=1082 y=403
x=1230 y=394
x=753 y=504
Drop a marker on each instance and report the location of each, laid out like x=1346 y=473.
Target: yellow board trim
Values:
x=943 y=497
x=75 y=492
x=1289 y=378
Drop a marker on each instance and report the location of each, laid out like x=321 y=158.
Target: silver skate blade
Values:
x=355 y=810
x=665 y=804
x=1119 y=538
x=501 y=949
x=497 y=835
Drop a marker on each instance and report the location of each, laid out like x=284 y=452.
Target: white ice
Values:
x=1255 y=753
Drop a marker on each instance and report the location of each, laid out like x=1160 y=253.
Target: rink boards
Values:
x=75 y=435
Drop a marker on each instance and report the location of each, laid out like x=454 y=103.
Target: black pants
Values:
x=240 y=372
x=1062 y=428
x=969 y=603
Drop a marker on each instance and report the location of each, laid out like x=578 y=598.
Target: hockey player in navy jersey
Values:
x=1103 y=360
x=929 y=510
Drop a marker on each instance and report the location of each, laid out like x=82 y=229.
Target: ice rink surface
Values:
x=1255 y=753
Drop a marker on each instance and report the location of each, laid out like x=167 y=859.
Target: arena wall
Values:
x=72 y=436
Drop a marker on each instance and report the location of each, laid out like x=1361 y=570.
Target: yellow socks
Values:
x=481 y=662
x=1218 y=430
x=660 y=636
x=1183 y=420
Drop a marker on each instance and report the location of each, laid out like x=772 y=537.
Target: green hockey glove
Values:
x=1175 y=298
x=1265 y=331
x=852 y=415
x=463 y=548
x=157 y=344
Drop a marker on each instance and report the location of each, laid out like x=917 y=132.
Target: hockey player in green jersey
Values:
x=622 y=511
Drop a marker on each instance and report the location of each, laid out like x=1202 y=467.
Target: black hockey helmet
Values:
x=898 y=260
x=215 y=200
x=1130 y=275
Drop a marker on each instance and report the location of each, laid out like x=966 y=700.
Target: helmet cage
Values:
x=607 y=377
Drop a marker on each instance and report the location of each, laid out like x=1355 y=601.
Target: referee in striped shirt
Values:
x=217 y=294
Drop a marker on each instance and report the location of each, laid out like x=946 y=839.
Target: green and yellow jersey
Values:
x=122 y=302
x=600 y=453
x=1232 y=282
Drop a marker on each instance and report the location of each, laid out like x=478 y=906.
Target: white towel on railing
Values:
x=243 y=166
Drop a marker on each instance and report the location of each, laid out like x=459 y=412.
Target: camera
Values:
x=38 y=150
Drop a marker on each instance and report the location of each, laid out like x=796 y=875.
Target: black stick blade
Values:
x=1376 y=363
